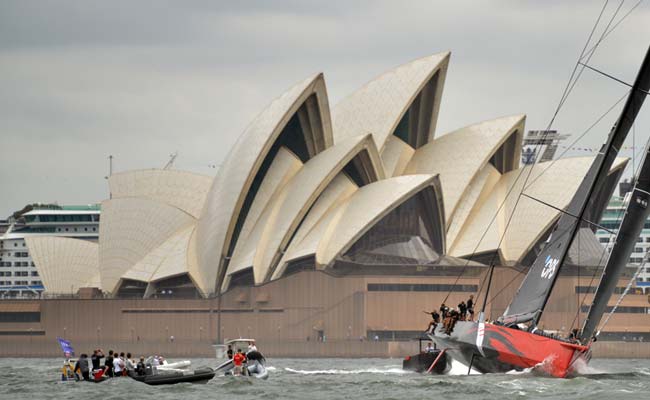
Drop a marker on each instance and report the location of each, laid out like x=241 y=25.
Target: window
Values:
x=8 y=264
x=36 y=282
x=23 y=244
x=647 y=240
x=15 y=244
x=638 y=249
x=2 y=273
x=33 y=264
x=8 y=273
x=94 y=229
x=86 y=229
x=66 y=229
x=34 y=273
x=603 y=240
x=75 y=229
x=639 y=240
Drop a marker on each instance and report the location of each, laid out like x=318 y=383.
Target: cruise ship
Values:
x=18 y=274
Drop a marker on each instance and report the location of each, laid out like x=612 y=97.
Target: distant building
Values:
x=611 y=219
x=544 y=142
x=18 y=275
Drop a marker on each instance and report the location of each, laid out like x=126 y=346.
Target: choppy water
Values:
x=337 y=379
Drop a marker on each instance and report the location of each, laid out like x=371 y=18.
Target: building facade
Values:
x=611 y=220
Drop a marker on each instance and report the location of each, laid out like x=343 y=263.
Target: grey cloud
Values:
x=84 y=79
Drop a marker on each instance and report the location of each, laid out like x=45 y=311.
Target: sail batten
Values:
x=530 y=300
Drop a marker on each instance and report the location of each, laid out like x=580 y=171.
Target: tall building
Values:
x=18 y=274
x=611 y=220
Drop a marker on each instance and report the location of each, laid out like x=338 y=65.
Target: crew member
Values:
x=251 y=347
x=129 y=364
x=108 y=364
x=429 y=348
x=118 y=366
x=141 y=369
x=82 y=367
x=229 y=352
x=67 y=371
x=444 y=310
x=435 y=320
x=462 y=310
x=238 y=359
x=96 y=359
x=470 y=307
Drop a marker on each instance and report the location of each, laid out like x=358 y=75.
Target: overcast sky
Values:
x=80 y=80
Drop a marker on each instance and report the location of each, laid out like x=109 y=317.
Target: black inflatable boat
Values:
x=202 y=375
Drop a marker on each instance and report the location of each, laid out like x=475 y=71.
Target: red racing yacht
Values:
x=513 y=341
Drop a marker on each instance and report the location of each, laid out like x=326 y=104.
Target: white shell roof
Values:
x=284 y=166
x=458 y=156
x=181 y=189
x=553 y=182
x=294 y=201
x=396 y=156
x=378 y=106
x=168 y=259
x=363 y=210
x=235 y=176
x=64 y=264
x=130 y=229
x=336 y=193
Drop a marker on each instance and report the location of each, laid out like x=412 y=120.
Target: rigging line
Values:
x=575 y=68
x=588 y=57
x=571 y=82
x=625 y=292
x=562 y=101
x=568 y=213
x=567 y=90
x=617 y=23
x=494 y=217
x=613 y=77
x=578 y=139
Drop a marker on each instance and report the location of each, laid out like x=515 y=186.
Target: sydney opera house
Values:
x=363 y=187
x=342 y=218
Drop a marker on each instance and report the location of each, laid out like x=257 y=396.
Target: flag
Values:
x=66 y=347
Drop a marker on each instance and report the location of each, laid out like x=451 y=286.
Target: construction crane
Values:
x=172 y=158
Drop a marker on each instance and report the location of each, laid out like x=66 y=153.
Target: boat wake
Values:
x=348 y=371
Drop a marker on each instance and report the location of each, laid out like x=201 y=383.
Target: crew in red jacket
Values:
x=238 y=360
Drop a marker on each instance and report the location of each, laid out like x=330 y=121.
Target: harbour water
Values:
x=314 y=379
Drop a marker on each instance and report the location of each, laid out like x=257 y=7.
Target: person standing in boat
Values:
x=96 y=359
x=229 y=352
x=462 y=311
x=444 y=310
x=238 y=360
x=129 y=364
x=82 y=367
x=108 y=365
x=118 y=365
x=141 y=369
x=251 y=347
x=470 y=307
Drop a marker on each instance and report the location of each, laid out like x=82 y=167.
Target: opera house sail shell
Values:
x=364 y=187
